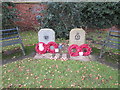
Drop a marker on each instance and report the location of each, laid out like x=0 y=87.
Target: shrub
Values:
x=64 y=16
x=9 y=14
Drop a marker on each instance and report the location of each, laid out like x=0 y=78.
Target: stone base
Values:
x=42 y=56
x=56 y=56
x=64 y=56
x=83 y=58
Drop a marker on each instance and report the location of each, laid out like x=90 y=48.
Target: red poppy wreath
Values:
x=85 y=49
x=71 y=47
x=41 y=48
x=52 y=44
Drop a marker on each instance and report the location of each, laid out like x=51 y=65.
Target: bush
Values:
x=9 y=14
x=64 y=16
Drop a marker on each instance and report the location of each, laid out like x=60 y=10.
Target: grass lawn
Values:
x=30 y=39
x=44 y=73
x=96 y=40
x=29 y=73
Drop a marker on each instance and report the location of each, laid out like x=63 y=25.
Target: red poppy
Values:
x=73 y=46
x=52 y=44
x=41 y=51
x=85 y=49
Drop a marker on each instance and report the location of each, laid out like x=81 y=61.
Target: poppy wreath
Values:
x=85 y=49
x=73 y=46
x=41 y=51
x=52 y=44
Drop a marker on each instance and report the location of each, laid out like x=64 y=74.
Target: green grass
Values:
x=111 y=55
x=18 y=53
x=98 y=36
x=30 y=73
x=44 y=73
x=108 y=57
x=30 y=38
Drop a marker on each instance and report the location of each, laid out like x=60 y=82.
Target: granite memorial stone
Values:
x=46 y=35
x=77 y=36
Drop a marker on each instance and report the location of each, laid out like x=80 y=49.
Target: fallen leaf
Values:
x=41 y=86
x=77 y=71
x=27 y=77
x=96 y=78
x=20 y=85
x=57 y=66
x=50 y=85
x=103 y=80
x=110 y=77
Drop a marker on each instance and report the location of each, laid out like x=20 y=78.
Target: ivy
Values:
x=9 y=14
x=64 y=16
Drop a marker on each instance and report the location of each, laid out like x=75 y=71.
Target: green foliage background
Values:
x=8 y=15
x=64 y=16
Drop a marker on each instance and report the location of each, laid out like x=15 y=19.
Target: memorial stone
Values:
x=46 y=35
x=77 y=36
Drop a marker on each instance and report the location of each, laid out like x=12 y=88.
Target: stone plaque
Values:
x=77 y=36
x=46 y=35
